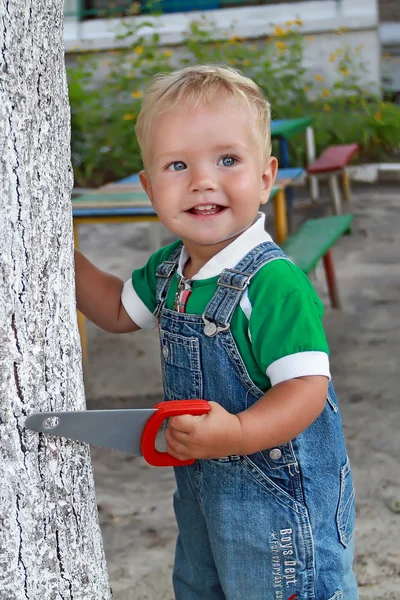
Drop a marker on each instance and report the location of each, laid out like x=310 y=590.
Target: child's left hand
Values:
x=213 y=435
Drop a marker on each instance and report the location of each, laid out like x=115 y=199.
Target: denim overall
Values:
x=275 y=525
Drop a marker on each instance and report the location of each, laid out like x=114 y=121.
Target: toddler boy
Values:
x=266 y=512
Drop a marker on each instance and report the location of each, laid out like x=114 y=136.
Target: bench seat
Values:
x=314 y=240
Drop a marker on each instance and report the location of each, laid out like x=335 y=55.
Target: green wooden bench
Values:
x=313 y=241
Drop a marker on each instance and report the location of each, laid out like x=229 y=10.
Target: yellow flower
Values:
x=310 y=38
x=325 y=93
x=234 y=39
x=327 y=107
x=279 y=31
x=299 y=22
x=332 y=57
x=246 y=62
x=319 y=78
x=137 y=94
x=344 y=71
x=134 y=8
x=280 y=45
x=129 y=117
x=359 y=48
x=289 y=23
x=378 y=116
x=339 y=52
x=168 y=53
x=139 y=50
x=231 y=61
x=306 y=88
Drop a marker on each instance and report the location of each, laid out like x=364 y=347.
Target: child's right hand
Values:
x=215 y=434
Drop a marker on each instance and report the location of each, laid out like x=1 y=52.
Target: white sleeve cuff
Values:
x=301 y=364
x=136 y=309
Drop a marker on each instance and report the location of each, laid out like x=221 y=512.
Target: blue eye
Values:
x=228 y=161
x=176 y=166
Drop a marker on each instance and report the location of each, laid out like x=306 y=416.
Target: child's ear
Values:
x=268 y=178
x=146 y=185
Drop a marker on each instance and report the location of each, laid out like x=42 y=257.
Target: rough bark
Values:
x=50 y=540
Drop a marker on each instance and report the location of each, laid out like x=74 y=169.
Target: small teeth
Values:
x=206 y=207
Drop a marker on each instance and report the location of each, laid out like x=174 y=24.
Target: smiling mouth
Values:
x=206 y=209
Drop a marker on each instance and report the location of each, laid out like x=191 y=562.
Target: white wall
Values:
x=320 y=18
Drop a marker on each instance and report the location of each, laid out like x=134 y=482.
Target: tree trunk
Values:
x=50 y=540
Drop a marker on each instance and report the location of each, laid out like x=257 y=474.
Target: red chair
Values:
x=329 y=166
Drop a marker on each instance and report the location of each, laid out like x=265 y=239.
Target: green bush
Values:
x=104 y=109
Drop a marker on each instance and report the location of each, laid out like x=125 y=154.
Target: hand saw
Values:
x=128 y=430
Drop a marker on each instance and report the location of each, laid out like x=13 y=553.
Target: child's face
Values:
x=205 y=173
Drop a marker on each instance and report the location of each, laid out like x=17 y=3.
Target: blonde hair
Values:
x=198 y=86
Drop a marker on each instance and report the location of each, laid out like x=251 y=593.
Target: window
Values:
x=92 y=9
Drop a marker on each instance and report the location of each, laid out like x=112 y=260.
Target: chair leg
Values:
x=314 y=189
x=346 y=185
x=311 y=155
x=331 y=280
x=280 y=219
x=335 y=194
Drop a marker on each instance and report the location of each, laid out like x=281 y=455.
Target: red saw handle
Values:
x=167 y=409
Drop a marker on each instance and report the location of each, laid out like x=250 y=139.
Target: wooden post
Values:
x=50 y=538
x=330 y=274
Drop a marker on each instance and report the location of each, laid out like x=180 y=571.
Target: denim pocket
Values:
x=276 y=483
x=346 y=513
x=181 y=366
x=337 y=596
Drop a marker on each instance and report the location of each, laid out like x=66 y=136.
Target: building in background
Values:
x=92 y=25
x=389 y=32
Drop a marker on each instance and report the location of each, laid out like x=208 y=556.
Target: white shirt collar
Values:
x=231 y=254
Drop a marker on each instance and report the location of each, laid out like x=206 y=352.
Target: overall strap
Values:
x=232 y=284
x=164 y=273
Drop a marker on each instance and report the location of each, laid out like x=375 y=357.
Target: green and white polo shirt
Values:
x=277 y=326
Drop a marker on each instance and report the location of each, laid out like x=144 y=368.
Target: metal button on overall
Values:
x=165 y=352
x=275 y=454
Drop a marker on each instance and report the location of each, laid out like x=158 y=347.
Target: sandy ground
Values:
x=123 y=371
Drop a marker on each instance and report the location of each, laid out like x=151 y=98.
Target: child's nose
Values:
x=203 y=180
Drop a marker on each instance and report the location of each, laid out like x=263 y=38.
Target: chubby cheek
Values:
x=168 y=213
x=245 y=180
x=166 y=190
x=244 y=194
